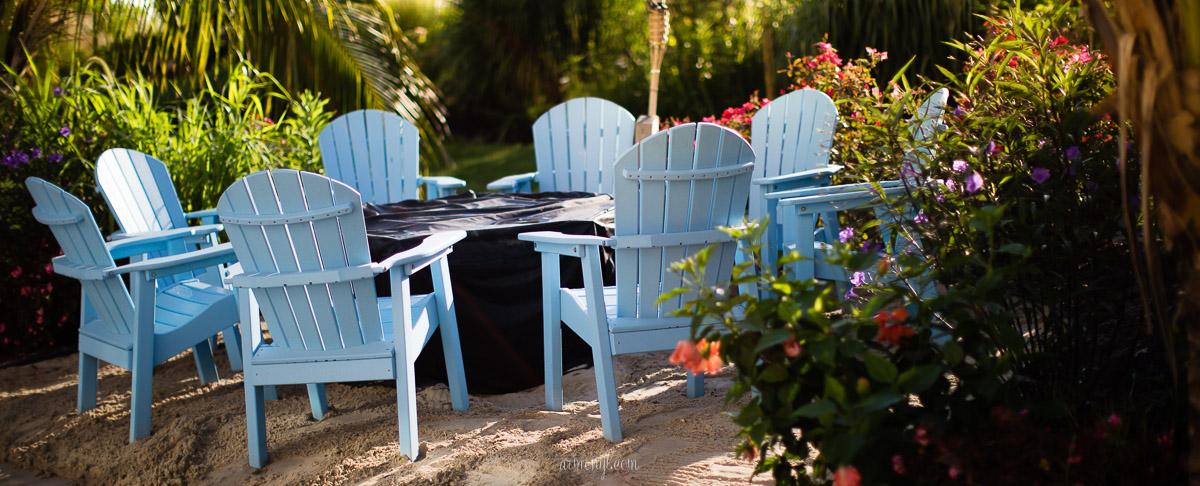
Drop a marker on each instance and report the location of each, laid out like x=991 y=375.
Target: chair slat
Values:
x=561 y=152
x=652 y=211
x=328 y=237
x=594 y=113
x=543 y=152
x=677 y=216
x=576 y=146
x=376 y=131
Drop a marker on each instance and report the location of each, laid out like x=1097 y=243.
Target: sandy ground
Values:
x=199 y=432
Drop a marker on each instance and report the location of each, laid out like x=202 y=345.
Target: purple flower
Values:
x=58 y=91
x=849 y=294
x=991 y=148
x=1072 y=152
x=1039 y=175
x=858 y=279
x=961 y=165
x=54 y=157
x=973 y=183
x=949 y=183
x=1091 y=186
x=23 y=158
x=958 y=111
x=846 y=234
x=9 y=160
x=35 y=153
x=65 y=131
x=921 y=218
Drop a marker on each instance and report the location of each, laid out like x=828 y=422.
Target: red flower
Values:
x=792 y=348
x=921 y=437
x=900 y=314
x=691 y=356
x=882 y=318
x=898 y=464
x=894 y=334
x=847 y=476
x=1059 y=41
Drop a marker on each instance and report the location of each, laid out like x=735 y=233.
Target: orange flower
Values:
x=691 y=356
x=894 y=334
x=792 y=348
x=882 y=318
x=847 y=476
x=900 y=314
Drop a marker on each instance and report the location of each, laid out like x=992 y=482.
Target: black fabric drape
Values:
x=496 y=278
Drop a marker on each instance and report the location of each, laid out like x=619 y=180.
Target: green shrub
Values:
x=1028 y=365
x=60 y=127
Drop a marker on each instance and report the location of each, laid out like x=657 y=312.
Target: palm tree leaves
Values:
x=351 y=51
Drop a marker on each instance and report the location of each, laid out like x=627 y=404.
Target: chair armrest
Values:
x=562 y=244
x=838 y=189
x=185 y=262
x=140 y=243
x=837 y=202
x=512 y=183
x=441 y=186
x=799 y=176
x=206 y=216
x=433 y=247
x=294 y=279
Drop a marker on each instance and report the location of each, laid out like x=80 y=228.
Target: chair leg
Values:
x=269 y=392
x=233 y=347
x=448 y=324
x=552 y=331
x=256 y=426
x=317 y=400
x=143 y=376
x=695 y=385
x=606 y=390
x=205 y=366
x=406 y=407
x=86 y=399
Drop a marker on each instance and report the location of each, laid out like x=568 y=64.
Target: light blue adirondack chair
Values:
x=140 y=326
x=799 y=210
x=575 y=144
x=671 y=193
x=926 y=122
x=792 y=139
x=139 y=191
x=302 y=241
x=378 y=154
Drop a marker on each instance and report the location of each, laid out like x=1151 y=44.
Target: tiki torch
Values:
x=659 y=29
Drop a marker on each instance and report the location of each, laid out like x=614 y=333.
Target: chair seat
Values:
x=184 y=313
x=627 y=335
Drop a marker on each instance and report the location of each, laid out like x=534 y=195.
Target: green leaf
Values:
x=816 y=409
x=919 y=378
x=771 y=338
x=841 y=448
x=879 y=400
x=880 y=368
x=834 y=390
x=953 y=353
x=774 y=373
x=824 y=350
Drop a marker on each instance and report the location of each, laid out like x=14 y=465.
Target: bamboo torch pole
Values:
x=659 y=28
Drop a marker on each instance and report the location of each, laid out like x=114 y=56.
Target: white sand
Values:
x=199 y=432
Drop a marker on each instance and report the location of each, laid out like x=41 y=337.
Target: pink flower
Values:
x=973 y=183
x=898 y=464
x=847 y=476
x=921 y=437
x=1114 y=420
x=1059 y=41
x=960 y=165
x=1039 y=175
x=954 y=472
x=16 y=273
x=792 y=348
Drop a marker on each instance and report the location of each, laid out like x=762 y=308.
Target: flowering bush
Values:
x=62 y=124
x=1028 y=365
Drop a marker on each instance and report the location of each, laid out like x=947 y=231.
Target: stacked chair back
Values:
x=378 y=154
x=139 y=326
x=139 y=191
x=671 y=193
x=575 y=144
x=302 y=242
x=792 y=138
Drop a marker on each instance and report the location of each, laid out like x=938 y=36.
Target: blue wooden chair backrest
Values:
x=82 y=244
x=793 y=133
x=576 y=143
x=682 y=184
x=139 y=190
x=287 y=221
x=375 y=152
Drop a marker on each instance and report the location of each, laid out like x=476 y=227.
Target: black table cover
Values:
x=496 y=278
